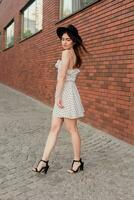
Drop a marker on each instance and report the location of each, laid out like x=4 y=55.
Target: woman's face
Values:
x=66 y=41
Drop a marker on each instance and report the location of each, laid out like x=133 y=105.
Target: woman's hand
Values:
x=59 y=102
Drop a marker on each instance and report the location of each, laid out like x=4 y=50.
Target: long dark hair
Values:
x=78 y=47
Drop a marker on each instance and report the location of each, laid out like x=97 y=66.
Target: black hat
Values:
x=71 y=30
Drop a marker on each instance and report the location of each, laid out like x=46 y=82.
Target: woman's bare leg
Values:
x=56 y=124
x=52 y=137
x=71 y=126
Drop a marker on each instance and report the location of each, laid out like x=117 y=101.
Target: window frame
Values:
x=27 y=5
x=77 y=11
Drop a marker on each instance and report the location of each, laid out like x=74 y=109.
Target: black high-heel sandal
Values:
x=80 y=168
x=43 y=169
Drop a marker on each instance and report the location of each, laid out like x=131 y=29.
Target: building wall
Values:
x=106 y=81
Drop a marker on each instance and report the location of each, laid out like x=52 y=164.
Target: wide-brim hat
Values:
x=71 y=30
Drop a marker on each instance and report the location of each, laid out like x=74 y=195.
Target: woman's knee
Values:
x=72 y=130
x=55 y=129
x=71 y=126
x=56 y=125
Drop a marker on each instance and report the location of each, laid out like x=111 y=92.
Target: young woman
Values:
x=68 y=106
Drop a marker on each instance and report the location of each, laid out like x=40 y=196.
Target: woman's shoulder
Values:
x=66 y=52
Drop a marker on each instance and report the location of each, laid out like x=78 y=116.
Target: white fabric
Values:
x=73 y=107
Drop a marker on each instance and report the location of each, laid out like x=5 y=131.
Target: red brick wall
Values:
x=106 y=81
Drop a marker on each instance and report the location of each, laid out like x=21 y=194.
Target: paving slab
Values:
x=24 y=125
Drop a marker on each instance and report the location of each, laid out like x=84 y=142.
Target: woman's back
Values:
x=72 y=59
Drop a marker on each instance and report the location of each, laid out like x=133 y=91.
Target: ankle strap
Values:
x=77 y=160
x=45 y=161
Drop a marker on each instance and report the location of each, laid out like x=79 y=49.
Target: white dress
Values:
x=73 y=107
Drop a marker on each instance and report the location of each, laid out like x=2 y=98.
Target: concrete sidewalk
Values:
x=24 y=124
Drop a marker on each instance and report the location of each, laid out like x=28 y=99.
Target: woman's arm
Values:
x=62 y=74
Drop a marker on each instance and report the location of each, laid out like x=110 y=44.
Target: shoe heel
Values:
x=46 y=169
x=82 y=166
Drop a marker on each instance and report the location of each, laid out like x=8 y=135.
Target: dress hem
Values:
x=75 y=117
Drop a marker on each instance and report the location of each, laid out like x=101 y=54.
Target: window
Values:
x=9 y=34
x=32 y=18
x=68 y=7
